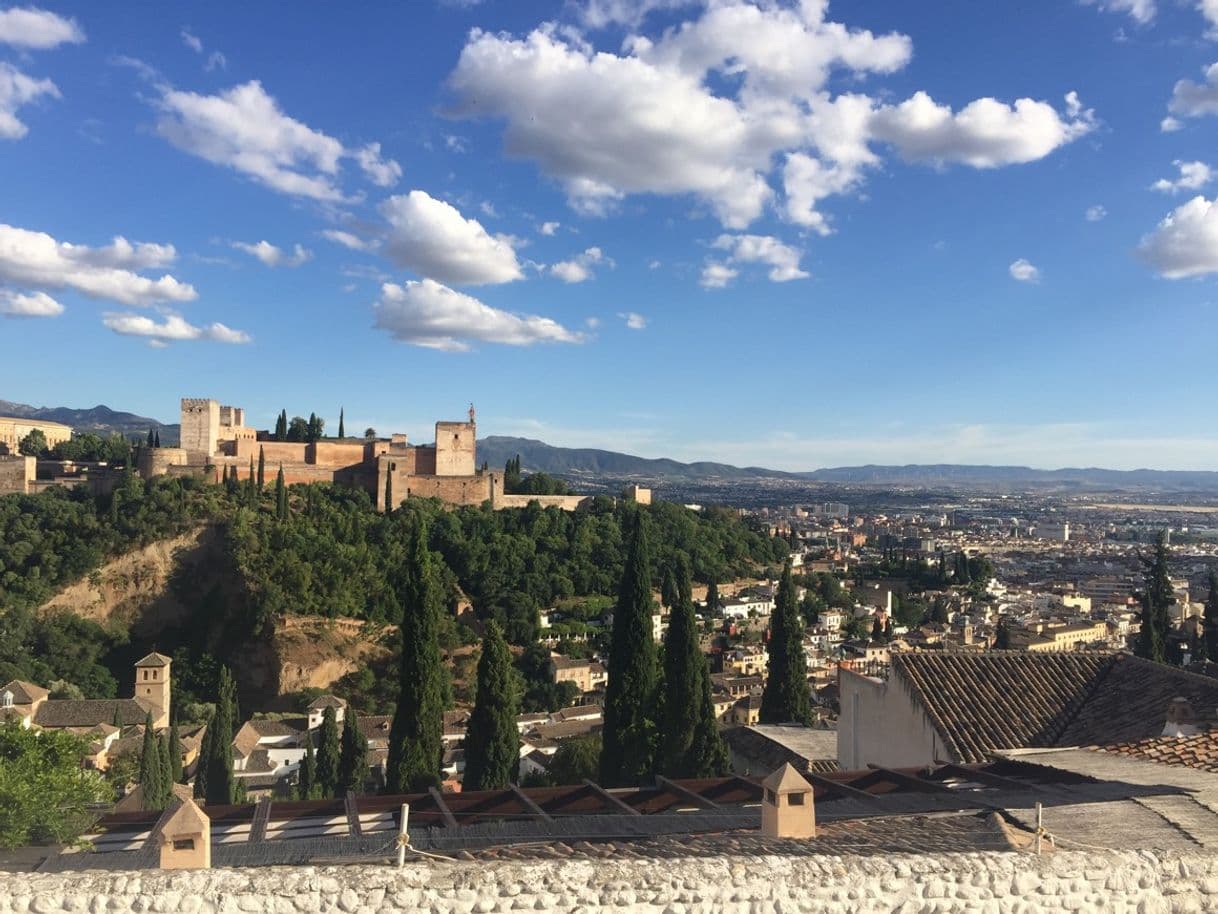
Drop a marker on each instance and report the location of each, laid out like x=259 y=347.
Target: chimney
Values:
x=786 y=806
x=185 y=832
x=1181 y=719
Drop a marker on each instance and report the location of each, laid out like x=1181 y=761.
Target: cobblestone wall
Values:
x=1108 y=882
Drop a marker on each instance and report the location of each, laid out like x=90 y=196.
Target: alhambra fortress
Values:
x=215 y=441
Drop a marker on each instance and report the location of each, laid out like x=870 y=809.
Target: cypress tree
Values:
x=690 y=744
x=1002 y=637
x=281 y=426
x=221 y=784
x=492 y=742
x=166 y=763
x=150 y=768
x=668 y=589
x=281 y=496
x=156 y=441
x=250 y=489
x=388 y=492
x=786 y=697
x=151 y=439
x=712 y=598
x=175 y=753
x=342 y=430
x=1157 y=597
x=627 y=749
x=306 y=782
x=261 y=467
x=353 y=760
x=200 y=789
x=328 y=751
x=415 y=747
x=1211 y=618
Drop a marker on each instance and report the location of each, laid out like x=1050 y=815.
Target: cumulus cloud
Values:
x=35 y=260
x=429 y=314
x=1185 y=243
x=1192 y=176
x=1024 y=271
x=37 y=30
x=16 y=90
x=782 y=259
x=1209 y=9
x=348 y=240
x=709 y=107
x=433 y=239
x=1170 y=125
x=1141 y=11
x=1095 y=213
x=34 y=304
x=716 y=275
x=633 y=320
x=171 y=328
x=579 y=268
x=244 y=129
x=548 y=228
x=1190 y=99
x=273 y=256
x=985 y=133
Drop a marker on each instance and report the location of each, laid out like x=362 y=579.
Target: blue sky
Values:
x=775 y=233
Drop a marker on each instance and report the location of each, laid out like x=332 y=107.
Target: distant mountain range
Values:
x=100 y=419
x=537 y=456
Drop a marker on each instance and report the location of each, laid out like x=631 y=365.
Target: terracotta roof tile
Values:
x=1200 y=751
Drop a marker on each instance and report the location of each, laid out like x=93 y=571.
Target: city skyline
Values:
x=790 y=235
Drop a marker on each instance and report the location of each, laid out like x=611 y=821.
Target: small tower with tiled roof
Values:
x=786 y=807
x=152 y=686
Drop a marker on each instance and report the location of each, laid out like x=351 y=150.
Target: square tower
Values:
x=455 y=444
x=200 y=427
x=152 y=686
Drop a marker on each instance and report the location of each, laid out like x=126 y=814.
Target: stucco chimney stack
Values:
x=786 y=806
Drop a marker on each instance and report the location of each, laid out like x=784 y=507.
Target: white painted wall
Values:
x=880 y=724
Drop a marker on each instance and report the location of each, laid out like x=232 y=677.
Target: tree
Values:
x=389 y=505
x=877 y=629
x=353 y=759
x=1002 y=636
x=156 y=440
x=492 y=742
x=306 y=779
x=281 y=496
x=34 y=444
x=315 y=428
x=786 y=697
x=150 y=768
x=46 y=796
x=370 y=432
x=281 y=426
x=1157 y=597
x=576 y=760
x=221 y=784
x=151 y=439
x=261 y=467
x=201 y=763
x=298 y=429
x=342 y=432
x=328 y=751
x=629 y=734
x=175 y=753
x=167 y=781
x=712 y=598
x=1211 y=618
x=689 y=743
x=415 y=746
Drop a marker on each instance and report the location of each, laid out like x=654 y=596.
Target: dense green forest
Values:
x=332 y=555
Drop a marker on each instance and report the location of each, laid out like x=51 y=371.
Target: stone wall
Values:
x=562 y=502
x=1108 y=882
x=455 y=448
x=16 y=473
x=200 y=427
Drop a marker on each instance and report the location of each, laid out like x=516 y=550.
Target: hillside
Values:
x=100 y=419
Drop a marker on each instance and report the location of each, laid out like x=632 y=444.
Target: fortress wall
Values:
x=928 y=883
x=340 y=454
x=16 y=474
x=276 y=451
x=564 y=502
x=157 y=461
x=200 y=426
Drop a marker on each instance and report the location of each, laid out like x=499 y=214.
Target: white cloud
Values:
x=1209 y=9
x=782 y=259
x=192 y=41
x=380 y=171
x=1185 y=243
x=433 y=239
x=216 y=61
x=172 y=328
x=1170 y=125
x=426 y=313
x=1141 y=11
x=36 y=260
x=1095 y=213
x=634 y=320
x=34 y=304
x=985 y=133
x=1193 y=176
x=548 y=228
x=1190 y=99
x=579 y=267
x=348 y=240
x=717 y=275
x=709 y=107
x=1024 y=271
x=244 y=129
x=37 y=30
x=17 y=89
x=273 y=256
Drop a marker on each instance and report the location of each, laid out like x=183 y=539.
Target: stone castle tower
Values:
x=152 y=686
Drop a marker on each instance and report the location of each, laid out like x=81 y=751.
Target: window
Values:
x=770 y=797
x=145 y=674
x=8 y=700
x=795 y=799
x=183 y=844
